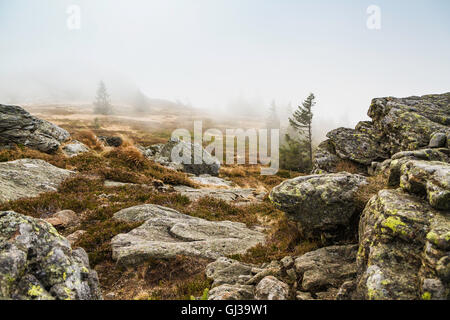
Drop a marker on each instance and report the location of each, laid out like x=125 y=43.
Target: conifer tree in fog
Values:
x=102 y=103
x=301 y=120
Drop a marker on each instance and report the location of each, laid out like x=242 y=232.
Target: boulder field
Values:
x=400 y=248
x=403 y=246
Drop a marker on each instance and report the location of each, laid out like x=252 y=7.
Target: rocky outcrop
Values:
x=315 y=275
x=189 y=157
x=323 y=271
x=404 y=248
x=324 y=205
x=74 y=148
x=36 y=263
x=29 y=178
x=356 y=145
x=409 y=123
x=167 y=233
x=405 y=124
x=19 y=127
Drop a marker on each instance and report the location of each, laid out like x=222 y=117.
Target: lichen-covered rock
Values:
x=403 y=245
x=232 y=292
x=397 y=125
x=235 y=280
x=167 y=233
x=36 y=263
x=322 y=204
x=399 y=159
x=326 y=268
x=408 y=123
x=325 y=158
x=438 y=140
x=430 y=178
x=17 y=126
x=189 y=157
x=74 y=148
x=315 y=275
x=270 y=288
x=29 y=178
x=356 y=146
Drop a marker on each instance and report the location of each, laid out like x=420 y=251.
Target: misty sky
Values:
x=210 y=52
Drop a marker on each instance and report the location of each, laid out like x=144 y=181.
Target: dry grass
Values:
x=175 y=279
x=85 y=194
x=347 y=166
x=249 y=176
x=366 y=192
x=89 y=139
x=285 y=240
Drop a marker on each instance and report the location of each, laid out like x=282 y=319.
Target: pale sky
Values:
x=209 y=52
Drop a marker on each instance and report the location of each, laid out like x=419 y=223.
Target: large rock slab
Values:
x=188 y=157
x=320 y=203
x=17 y=126
x=29 y=178
x=326 y=268
x=356 y=146
x=167 y=233
x=236 y=195
x=36 y=263
x=403 y=249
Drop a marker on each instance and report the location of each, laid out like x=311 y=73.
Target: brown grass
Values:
x=347 y=166
x=366 y=192
x=175 y=279
x=89 y=139
x=249 y=176
x=285 y=240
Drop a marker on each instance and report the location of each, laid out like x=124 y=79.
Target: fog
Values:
x=227 y=57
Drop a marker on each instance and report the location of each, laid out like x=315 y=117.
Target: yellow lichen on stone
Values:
x=35 y=291
x=395 y=225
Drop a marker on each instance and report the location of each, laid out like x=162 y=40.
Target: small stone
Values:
x=438 y=140
x=303 y=296
x=75 y=148
x=74 y=237
x=110 y=296
x=63 y=219
x=287 y=262
x=270 y=288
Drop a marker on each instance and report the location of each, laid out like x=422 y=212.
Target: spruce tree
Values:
x=301 y=120
x=102 y=104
